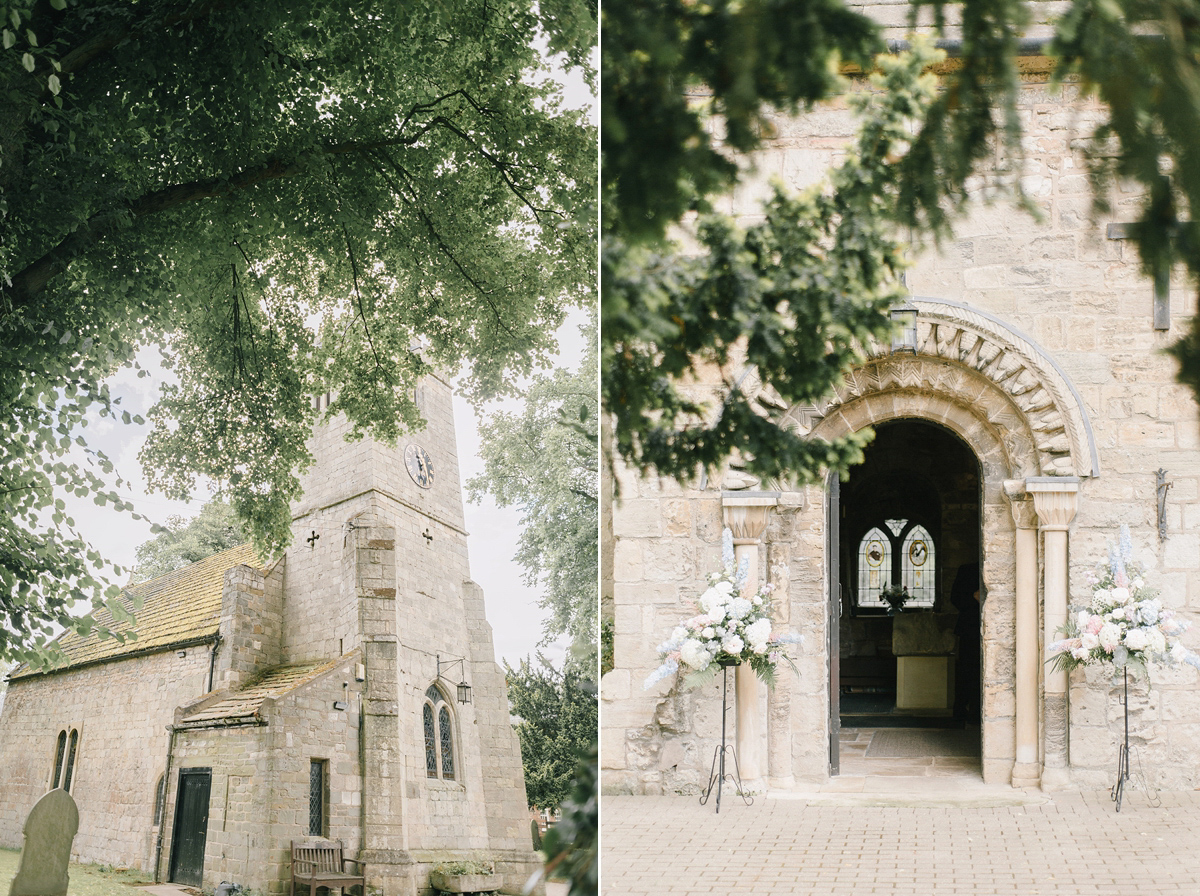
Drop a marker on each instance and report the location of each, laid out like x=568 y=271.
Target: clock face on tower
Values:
x=420 y=467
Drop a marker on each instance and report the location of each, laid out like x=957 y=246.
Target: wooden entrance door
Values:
x=833 y=557
x=191 y=826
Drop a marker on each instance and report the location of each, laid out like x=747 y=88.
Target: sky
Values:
x=512 y=606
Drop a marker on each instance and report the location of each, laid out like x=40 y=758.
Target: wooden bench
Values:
x=320 y=863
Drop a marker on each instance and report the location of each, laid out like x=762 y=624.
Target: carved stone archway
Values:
x=1014 y=407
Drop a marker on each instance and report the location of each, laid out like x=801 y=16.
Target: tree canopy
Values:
x=284 y=197
x=183 y=541
x=557 y=723
x=676 y=74
x=544 y=460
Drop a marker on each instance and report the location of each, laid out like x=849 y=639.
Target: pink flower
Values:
x=1094 y=625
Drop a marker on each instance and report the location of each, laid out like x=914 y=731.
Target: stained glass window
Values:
x=874 y=567
x=917 y=566
x=439 y=739
x=906 y=558
x=431 y=764
x=447 y=744
x=59 y=755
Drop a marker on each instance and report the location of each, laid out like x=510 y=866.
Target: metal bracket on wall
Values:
x=1160 y=489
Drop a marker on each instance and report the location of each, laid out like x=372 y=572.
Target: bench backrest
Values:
x=321 y=855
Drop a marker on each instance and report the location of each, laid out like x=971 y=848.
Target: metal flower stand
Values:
x=717 y=774
x=1118 y=789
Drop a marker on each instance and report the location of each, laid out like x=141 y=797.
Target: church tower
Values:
x=379 y=565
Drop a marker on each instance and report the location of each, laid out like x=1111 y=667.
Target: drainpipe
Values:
x=212 y=661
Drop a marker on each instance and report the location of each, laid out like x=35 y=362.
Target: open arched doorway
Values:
x=908 y=681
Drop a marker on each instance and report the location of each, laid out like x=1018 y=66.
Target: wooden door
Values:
x=191 y=826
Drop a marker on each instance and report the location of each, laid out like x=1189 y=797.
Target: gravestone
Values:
x=49 y=832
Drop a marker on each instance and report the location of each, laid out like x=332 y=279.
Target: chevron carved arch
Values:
x=971 y=360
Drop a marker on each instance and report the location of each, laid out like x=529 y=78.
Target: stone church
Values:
x=1024 y=415
x=316 y=695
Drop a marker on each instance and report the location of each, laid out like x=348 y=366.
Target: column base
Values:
x=1055 y=779
x=1026 y=774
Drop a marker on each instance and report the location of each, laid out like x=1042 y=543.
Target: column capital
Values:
x=1055 y=498
x=1020 y=503
x=745 y=513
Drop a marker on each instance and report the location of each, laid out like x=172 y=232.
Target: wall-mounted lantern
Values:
x=464 y=689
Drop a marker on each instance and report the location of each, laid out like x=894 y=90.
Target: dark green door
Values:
x=191 y=826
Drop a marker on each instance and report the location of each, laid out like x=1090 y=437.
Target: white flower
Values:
x=1089 y=642
x=1082 y=618
x=695 y=654
x=1138 y=585
x=757 y=601
x=724 y=587
x=1120 y=595
x=713 y=602
x=1110 y=636
x=1080 y=653
x=1135 y=639
x=1156 y=641
x=733 y=645
x=708 y=632
x=757 y=634
x=739 y=607
x=1117 y=613
x=1178 y=653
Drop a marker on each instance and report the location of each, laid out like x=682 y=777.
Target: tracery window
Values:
x=438 y=726
x=898 y=553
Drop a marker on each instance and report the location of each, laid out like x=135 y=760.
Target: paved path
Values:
x=959 y=840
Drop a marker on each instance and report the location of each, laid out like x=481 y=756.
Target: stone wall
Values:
x=251 y=622
x=122 y=710
x=1085 y=308
x=260 y=782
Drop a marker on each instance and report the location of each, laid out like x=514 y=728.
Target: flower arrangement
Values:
x=729 y=628
x=1125 y=623
x=895 y=596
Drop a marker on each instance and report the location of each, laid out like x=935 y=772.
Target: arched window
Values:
x=60 y=753
x=874 y=567
x=918 y=564
x=899 y=553
x=70 y=770
x=439 y=735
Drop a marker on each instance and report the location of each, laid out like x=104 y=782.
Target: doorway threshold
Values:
x=911 y=767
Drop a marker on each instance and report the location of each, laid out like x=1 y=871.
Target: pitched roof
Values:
x=181 y=606
x=243 y=707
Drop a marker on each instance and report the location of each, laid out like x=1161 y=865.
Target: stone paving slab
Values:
x=905 y=844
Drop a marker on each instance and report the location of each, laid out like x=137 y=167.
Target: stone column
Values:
x=746 y=515
x=1027 y=770
x=1055 y=499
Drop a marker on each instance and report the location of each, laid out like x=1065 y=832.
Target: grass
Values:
x=86 y=880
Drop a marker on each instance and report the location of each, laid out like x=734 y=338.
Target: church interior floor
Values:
x=910 y=752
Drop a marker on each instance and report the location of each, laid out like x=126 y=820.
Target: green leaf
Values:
x=27 y=61
x=31 y=37
x=54 y=85
x=59 y=4
x=8 y=38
